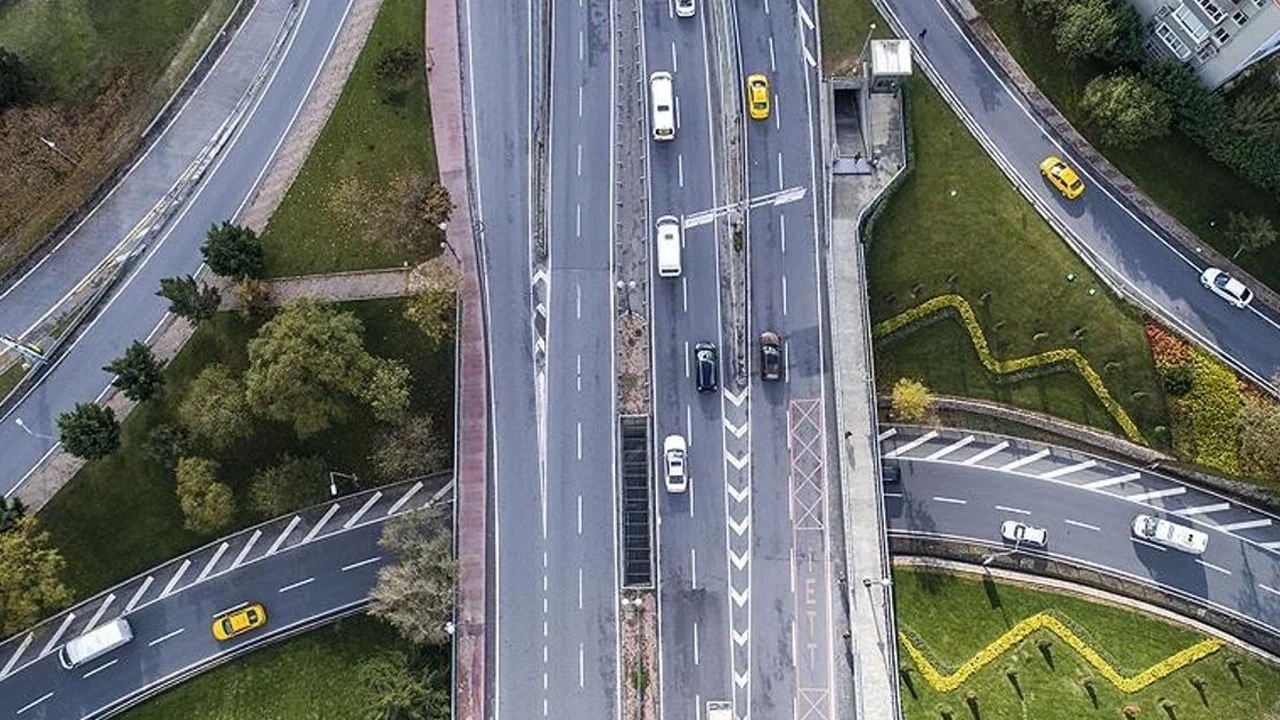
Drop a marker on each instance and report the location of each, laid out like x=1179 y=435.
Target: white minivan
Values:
x=1169 y=534
x=664 y=100
x=95 y=643
x=668 y=246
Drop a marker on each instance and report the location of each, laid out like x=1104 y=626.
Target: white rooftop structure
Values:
x=890 y=58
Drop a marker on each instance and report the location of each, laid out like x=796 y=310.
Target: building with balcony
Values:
x=1218 y=38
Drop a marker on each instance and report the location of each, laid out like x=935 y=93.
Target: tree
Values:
x=1250 y=233
x=1126 y=109
x=206 y=503
x=292 y=483
x=433 y=309
x=386 y=390
x=138 y=373
x=17 y=86
x=305 y=364
x=254 y=297
x=166 y=443
x=1087 y=30
x=89 y=431
x=187 y=298
x=1044 y=12
x=911 y=401
x=215 y=409
x=29 y=570
x=11 y=511
x=411 y=449
x=402 y=691
x=233 y=251
x=1200 y=113
x=415 y=593
x=1259 y=428
x=1257 y=115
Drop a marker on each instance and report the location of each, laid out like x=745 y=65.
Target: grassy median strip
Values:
x=955 y=618
x=351 y=205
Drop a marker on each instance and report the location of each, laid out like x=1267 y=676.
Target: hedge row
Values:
x=1211 y=415
x=1070 y=356
x=1046 y=621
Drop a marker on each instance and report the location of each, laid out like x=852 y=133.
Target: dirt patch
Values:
x=633 y=364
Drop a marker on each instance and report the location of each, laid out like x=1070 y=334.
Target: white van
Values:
x=668 y=246
x=664 y=100
x=1163 y=532
x=95 y=643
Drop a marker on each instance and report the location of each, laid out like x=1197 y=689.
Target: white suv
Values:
x=673 y=451
x=684 y=8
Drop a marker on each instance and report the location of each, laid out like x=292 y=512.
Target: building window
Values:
x=1190 y=24
x=1207 y=52
x=1211 y=10
x=1259 y=3
x=1239 y=18
x=1171 y=41
x=1221 y=36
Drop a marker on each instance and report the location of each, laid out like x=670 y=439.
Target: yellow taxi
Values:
x=758 y=96
x=1062 y=177
x=240 y=621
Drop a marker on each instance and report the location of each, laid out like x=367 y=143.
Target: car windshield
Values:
x=227 y=626
x=1148 y=526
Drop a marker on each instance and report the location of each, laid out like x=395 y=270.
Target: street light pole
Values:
x=30 y=432
x=54 y=147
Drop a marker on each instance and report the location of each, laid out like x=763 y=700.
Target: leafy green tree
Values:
x=190 y=299
x=1087 y=30
x=207 y=504
x=1198 y=112
x=1250 y=233
x=1257 y=115
x=1259 y=428
x=89 y=431
x=17 y=85
x=402 y=691
x=386 y=390
x=291 y=484
x=234 y=251
x=1044 y=12
x=138 y=373
x=29 y=576
x=305 y=364
x=215 y=409
x=1126 y=109
x=410 y=449
x=434 y=308
x=11 y=511
x=166 y=443
x=415 y=593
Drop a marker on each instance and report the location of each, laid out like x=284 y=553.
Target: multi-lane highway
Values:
x=135 y=311
x=1127 y=247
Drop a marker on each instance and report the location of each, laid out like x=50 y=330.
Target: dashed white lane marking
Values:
x=1099 y=484
x=362 y=563
x=34 y=703
x=1271 y=590
x=953 y=501
x=675 y=64
x=695 y=643
x=986 y=453
x=773 y=66
x=295 y=586
x=1211 y=566
x=173 y=581
x=579 y=101
x=1155 y=494
x=375 y=497
x=328 y=515
x=1086 y=526
x=579 y=514
x=1038 y=455
x=100 y=668
x=1203 y=509
x=579 y=588
x=951 y=448
x=166 y=636
x=1018 y=511
x=1068 y=470
x=782 y=241
x=784 y=294
x=911 y=445
x=136 y=596
x=579 y=440
x=680 y=170
x=582 y=667
x=1245 y=525
x=693 y=571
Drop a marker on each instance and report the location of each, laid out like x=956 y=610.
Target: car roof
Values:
x=1235 y=287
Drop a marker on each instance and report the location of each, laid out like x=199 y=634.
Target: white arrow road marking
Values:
x=737 y=462
x=740 y=679
x=735 y=399
x=739 y=495
x=741 y=638
x=739 y=599
x=739 y=561
x=740 y=528
x=540 y=309
x=737 y=430
x=539 y=276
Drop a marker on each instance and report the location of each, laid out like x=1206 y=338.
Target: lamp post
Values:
x=30 y=432
x=987 y=559
x=444 y=242
x=866 y=42
x=333 y=483
x=54 y=147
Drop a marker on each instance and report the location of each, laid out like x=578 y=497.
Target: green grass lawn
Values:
x=956 y=225
x=306 y=678
x=958 y=616
x=1174 y=171
x=374 y=140
x=845 y=24
x=120 y=515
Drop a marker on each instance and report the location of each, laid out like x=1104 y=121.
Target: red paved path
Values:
x=444 y=83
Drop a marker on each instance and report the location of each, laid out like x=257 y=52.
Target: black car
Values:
x=770 y=356
x=707 y=372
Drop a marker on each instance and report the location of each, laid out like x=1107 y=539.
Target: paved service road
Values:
x=135 y=311
x=1158 y=271
x=961 y=485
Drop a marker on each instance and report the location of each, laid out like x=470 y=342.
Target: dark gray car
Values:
x=706 y=371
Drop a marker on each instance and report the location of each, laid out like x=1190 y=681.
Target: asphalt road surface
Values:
x=134 y=311
x=1156 y=270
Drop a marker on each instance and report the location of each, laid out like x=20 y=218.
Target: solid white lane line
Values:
x=675 y=66
x=953 y=501
x=362 y=563
x=375 y=497
x=684 y=303
x=779 y=171
x=579 y=440
x=296 y=585
x=93 y=622
x=281 y=538
x=212 y=561
x=136 y=596
x=579 y=159
x=773 y=65
x=782 y=233
x=1011 y=466
x=1246 y=525
x=686 y=358
x=1086 y=526
x=951 y=448
x=395 y=507
x=1099 y=484
x=1202 y=509
x=693 y=565
x=577 y=221
x=695 y=643
x=1211 y=566
x=582 y=667
x=680 y=170
x=173 y=581
x=579 y=514
x=579 y=375
x=101 y=667
x=1069 y=469
x=324 y=519
x=784 y=294
x=1019 y=511
x=986 y=453
x=1155 y=494
x=896 y=452
x=162 y=638
x=34 y=703
x=579 y=101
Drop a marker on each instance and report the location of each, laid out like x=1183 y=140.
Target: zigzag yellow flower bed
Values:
x=1045 y=621
x=1004 y=367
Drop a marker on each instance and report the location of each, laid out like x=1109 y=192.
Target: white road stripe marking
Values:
x=986 y=453
x=896 y=452
x=579 y=514
x=296 y=585
x=26 y=642
x=773 y=65
x=100 y=668
x=693 y=564
x=784 y=294
x=136 y=596
x=1068 y=470
x=93 y=622
x=1246 y=525
x=695 y=643
x=404 y=499
x=1267 y=545
x=1099 y=484
x=34 y=703
x=953 y=501
x=582 y=667
x=804 y=16
x=1019 y=511
x=887 y=434
x=1211 y=566
x=280 y=539
x=1202 y=509
x=579 y=440
x=217 y=555
x=173 y=581
x=362 y=563
x=1038 y=455
x=1156 y=494
x=375 y=497
x=162 y=638
x=951 y=448
x=1271 y=590
x=328 y=515
x=53 y=641
x=1086 y=526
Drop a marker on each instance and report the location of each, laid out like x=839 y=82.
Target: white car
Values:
x=673 y=451
x=684 y=8
x=1226 y=287
x=1163 y=532
x=1024 y=534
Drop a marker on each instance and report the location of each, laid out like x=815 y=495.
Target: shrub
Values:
x=1212 y=411
x=911 y=400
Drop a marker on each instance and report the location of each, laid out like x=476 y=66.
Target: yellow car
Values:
x=237 y=622
x=1062 y=177
x=758 y=96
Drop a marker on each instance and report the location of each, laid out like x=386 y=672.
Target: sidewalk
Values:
x=444 y=84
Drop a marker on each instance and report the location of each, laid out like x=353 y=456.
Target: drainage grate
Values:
x=637 y=503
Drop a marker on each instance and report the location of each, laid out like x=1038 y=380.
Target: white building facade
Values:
x=1218 y=38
